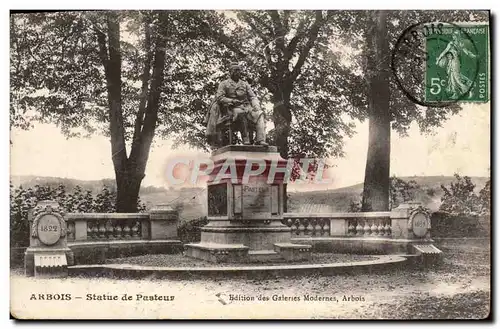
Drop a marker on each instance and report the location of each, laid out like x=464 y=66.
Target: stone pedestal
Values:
x=245 y=205
x=411 y=224
x=410 y=221
x=163 y=222
x=48 y=253
x=257 y=235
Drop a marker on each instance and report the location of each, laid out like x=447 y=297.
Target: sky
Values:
x=461 y=145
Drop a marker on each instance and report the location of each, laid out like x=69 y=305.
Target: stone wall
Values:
x=159 y=224
x=94 y=237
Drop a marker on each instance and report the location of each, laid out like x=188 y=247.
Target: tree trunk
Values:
x=128 y=184
x=129 y=171
x=282 y=118
x=129 y=180
x=377 y=172
x=110 y=54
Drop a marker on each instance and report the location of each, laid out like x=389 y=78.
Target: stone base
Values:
x=51 y=265
x=259 y=256
x=29 y=261
x=217 y=253
x=361 y=245
x=425 y=249
x=238 y=253
x=245 y=148
x=427 y=254
x=252 y=241
x=293 y=252
x=256 y=236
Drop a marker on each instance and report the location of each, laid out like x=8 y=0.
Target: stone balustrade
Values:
x=361 y=224
x=107 y=226
x=384 y=232
x=159 y=223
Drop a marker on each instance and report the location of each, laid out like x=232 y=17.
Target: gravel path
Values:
x=460 y=288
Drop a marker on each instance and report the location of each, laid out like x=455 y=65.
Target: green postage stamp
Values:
x=457 y=63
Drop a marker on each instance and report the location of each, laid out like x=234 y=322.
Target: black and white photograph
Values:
x=319 y=164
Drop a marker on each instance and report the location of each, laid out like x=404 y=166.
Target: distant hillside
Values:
x=434 y=182
x=93 y=185
x=191 y=202
x=338 y=200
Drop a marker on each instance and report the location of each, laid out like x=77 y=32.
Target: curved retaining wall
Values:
x=379 y=265
x=97 y=252
x=358 y=245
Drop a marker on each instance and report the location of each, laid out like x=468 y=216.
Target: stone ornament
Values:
x=419 y=221
x=49 y=224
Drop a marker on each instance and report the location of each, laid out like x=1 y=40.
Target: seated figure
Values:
x=235 y=106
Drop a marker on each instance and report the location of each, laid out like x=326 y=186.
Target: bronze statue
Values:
x=235 y=107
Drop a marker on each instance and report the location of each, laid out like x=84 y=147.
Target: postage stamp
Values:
x=457 y=63
x=438 y=63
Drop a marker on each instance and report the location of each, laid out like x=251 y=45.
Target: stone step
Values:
x=216 y=252
x=263 y=255
x=292 y=251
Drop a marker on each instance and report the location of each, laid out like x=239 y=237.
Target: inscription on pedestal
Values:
x=49 y=229
x=256 y=199
x=420 y=225
x=48 y=253
x=217 y=200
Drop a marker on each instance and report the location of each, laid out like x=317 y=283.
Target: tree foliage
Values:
x=387 y=106
x=319 y=58
x=403 y=110
x=117 y=73
x=313 y=73
x=290 y=62
x=459 y=198
x=485 y=198
x=402 y=191
x=57 y=73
